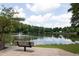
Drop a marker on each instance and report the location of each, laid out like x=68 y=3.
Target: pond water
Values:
x=53 y=39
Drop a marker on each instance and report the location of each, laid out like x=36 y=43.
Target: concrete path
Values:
x=35 y=51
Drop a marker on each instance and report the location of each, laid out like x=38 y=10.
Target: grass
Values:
x=74 y=48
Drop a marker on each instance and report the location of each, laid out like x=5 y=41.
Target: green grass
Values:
x=74 y=48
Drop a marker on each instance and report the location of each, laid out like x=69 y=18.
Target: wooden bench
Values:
x=25 y=44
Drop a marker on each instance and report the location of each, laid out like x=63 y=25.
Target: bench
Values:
x=25 y=44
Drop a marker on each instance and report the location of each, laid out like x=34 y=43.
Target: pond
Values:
x=53 y=39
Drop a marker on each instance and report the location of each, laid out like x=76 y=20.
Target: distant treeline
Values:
x=28 y=29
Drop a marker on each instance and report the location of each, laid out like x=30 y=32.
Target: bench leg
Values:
x=24 y=48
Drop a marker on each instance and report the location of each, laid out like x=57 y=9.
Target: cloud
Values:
x=21 y=12
x=49 y=20
x=46 y=19
x=42 y=7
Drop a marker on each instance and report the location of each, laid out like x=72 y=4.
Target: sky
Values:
x=43 y=14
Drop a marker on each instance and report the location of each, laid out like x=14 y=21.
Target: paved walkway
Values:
x=35 y=51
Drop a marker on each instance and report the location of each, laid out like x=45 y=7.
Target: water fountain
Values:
x=20 y=35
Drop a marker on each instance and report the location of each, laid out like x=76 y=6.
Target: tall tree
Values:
x=6 y=19
x=75 y=14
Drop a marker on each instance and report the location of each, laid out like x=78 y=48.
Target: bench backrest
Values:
x=27 y=44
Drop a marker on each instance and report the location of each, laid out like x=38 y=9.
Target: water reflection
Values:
x=54 y=39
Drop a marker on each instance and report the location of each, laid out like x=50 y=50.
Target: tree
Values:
x=56 y=29
x=75 y=14
x=6 y=19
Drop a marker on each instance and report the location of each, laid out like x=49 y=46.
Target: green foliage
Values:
x=35 y=30
x=4 y=24
x=75 y=14
x=7 y=21
x=57 y=29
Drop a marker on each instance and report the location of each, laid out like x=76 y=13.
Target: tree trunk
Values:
x=2 y=41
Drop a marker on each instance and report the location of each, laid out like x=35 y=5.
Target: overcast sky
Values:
x=43 y=14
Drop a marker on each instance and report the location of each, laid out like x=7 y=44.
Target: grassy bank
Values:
x=74 y=48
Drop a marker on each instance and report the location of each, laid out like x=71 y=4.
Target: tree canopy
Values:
x=75 y=14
